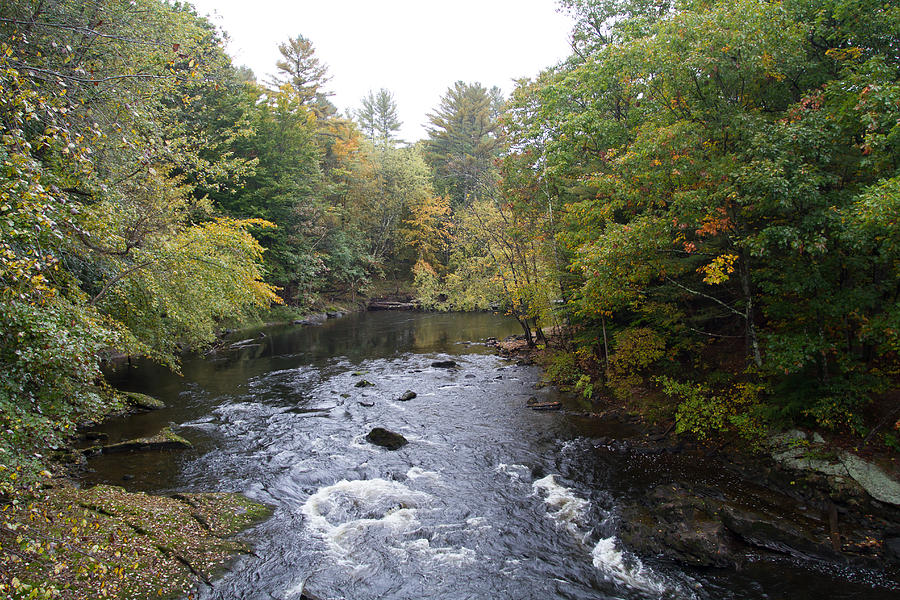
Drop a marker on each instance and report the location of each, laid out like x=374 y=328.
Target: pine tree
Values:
x=300 y=68
x=378 y=118
x=463 y=141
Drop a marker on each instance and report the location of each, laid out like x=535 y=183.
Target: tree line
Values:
x=703 y=199
x=700 y=205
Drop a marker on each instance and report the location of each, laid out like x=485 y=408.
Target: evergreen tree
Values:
x=462 y=142
x=378 y=118
x=300 y=68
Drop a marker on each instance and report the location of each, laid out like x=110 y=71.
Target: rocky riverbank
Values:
x=75 y=543
x=60 y=541
x=798 y=495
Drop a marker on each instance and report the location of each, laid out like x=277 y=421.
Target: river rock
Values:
x=444 y=364
x=367 y=404
x=876 y=482
x=143 y=401
x=386 y=439
x=795 y=536
x=678 y=526
x=309 y=320
x=334 y=314
x=700 y=528
x=363 y=383
x=407 y=395
x=164 y=440
x=536 y=404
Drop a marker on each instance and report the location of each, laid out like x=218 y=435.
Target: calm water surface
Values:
x=489 y=500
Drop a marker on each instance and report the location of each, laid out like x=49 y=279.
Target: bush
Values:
x=48 y=357
x=636 y=350
x=705 y=413
x=563 y=369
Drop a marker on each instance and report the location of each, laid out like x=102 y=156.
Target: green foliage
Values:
x=48 y=354
x=706 y=413
x=726 y=170
x=378 y=118
x=563 y=369
x=463 y=143
x=892 y=441
x=104 y=246
x=636 y=350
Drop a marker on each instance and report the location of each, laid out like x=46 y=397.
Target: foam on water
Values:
x=564 y=505
x=567 y=508
x=418 y=472
x=629 y=570
x=349 y=515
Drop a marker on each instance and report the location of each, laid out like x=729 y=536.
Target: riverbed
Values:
x=488 y=500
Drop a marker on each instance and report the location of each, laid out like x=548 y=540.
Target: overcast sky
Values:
x=415 y=48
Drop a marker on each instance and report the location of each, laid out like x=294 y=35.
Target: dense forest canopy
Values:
x=700 y=203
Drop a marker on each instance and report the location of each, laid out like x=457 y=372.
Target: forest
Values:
x=699 y=207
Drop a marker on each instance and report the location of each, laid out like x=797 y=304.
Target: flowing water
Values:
x=489 y=500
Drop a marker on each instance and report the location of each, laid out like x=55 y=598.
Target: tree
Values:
x=378 y=118
x=719 y=166
x=301 y=69
x=462 y=142
x=102 y=242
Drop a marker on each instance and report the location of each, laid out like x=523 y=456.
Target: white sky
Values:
x=414 y=48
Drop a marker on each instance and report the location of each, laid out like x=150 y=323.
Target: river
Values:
x=489 y=500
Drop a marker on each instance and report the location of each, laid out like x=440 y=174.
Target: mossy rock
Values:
x=148 y=546
x=142 y=401
x=164 y=440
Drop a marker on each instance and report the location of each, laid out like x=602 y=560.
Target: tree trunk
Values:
x=749 y=316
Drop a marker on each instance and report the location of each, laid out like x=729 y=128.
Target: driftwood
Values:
x=535 y=404
x=389 y=305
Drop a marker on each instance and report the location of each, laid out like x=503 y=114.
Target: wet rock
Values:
x=702 y=528
x=334 y=315
x=143 y=401
x=164 y=440
x=310 y=320
x=444 y=364
x=363 y=383
x=892 y=550
x=795 y=536
x=407 y=395
x=367 y=404
x=244 y=344
x=470 y=376
x=386 y=439
x=678 y=526
x=95 y=436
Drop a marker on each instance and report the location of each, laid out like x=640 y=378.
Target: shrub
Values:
x=705 y=412
x=636 y=350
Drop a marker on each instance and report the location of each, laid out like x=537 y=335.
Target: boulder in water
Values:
x=364 y=383
x=386 y=439
x=407 y=395
x=444 y=364
x=142 y=401
x=164 y=440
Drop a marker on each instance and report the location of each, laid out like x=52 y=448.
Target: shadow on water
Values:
x=488 y=499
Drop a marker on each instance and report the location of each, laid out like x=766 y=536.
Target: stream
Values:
x=489 y=500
